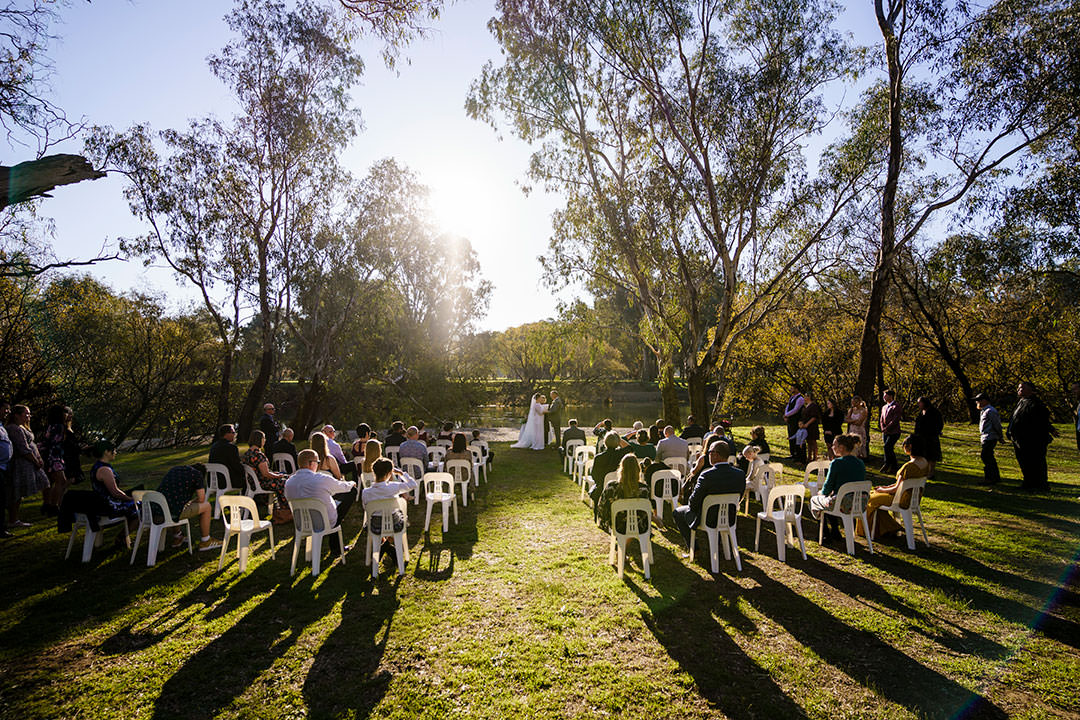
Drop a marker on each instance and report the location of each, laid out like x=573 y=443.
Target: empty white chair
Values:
x=254 y=488
x=392 y=452
x=384 y=527
x=241 y=518
x=586 y=476
x=676 y=463
x=814 y=475
x=92 y=538
x=478 y=466
x=217 y=484
x=761 y=481
x=668 y=482
x=439 y=490
x=459 y=470
x=415 y=467
x=283 y=463
x=568 y=459
x=722 y=532
x=630 y=508
x=312 y=525
x=582 y=455
x=436 y=455
x=783 y=509
x=155 y=530
x=913 y=507
x=851 y=500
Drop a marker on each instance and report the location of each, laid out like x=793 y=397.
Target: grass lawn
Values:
x=516 y=613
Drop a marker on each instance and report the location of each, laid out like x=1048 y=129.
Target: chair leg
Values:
x=714 y=551
x=909 y=530
x=922 y=525
x=295 y=552
x=401 y=548
x=187 y=528
x=869 y=538
x=224 y=548
x=427 y=517
x=138 y=539
x=693 y=544
x=849 y=533
x=71 y=541
x=341 y=545
x=781 y=541
x=821 y=527
x=242 y=542
x=798 y=531
x=153 y=541
x=88 y=543
x=315 y=545
x=271 y=532
x=445 y=512
x=611 y=549
x=646 y=554
x=621 y=557
x=734 y=542
x=757 y=534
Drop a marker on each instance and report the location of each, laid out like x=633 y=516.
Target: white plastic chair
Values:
x=217 y=484
x=568 y=457
x=670 y=481
x=586 y=476
x=761 y=481
x=630 y=508
x=478 y=466
x=483 y=445
x=234 y=508
x=459 y=470
x=392 y=452
x=283 y=463
x=765 y=457
x=308 y=514
x=92 y=538
x=385 y=509
x=855 y=495
x=156 y=531
x=917 y=486
x=436 y=456
x=439 y=490
x=254 y=489
x=677 y=463
x=690 y=441
x=783 y=509
x=723 y=531
x=445 y=444
x=611 y=478
x=415 y=467
x=582 y=456
x=818 y=469
x=694 y=451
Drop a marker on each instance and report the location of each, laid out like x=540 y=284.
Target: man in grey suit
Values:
x=672 y=446
x=720 y=479
x=553 y=418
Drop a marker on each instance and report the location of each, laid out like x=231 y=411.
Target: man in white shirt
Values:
x=336 y=495
x=672 y=446
x=335 y=450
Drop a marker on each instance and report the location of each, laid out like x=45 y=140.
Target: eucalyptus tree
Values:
x=676 y=130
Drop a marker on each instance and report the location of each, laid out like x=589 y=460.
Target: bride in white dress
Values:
x=532 y=432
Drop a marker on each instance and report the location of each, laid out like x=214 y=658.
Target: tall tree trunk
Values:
x=309 y=406
x=224 y=388
x=648 y=365
x=695 y=384
x=669 y=393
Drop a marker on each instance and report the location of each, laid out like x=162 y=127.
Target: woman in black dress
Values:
x=832 y=424
x=928 y=425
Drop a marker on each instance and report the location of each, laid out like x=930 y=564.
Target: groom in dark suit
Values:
x=553 y=418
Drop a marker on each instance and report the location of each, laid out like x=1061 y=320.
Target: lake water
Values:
x=622 y=414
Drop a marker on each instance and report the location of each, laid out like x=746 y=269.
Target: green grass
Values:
x=515 y=613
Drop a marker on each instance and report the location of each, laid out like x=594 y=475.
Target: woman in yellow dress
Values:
x=917 y=466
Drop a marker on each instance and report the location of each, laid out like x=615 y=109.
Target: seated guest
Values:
x=632 y=435
x=372 y=452
x=641 y=447
x=629 y=486
x=917 y=466
x=488 y=454
x=344 y=466
x=396 y=436
x=692 y=429
x=460 y=451
x=722 y=431
x=605 y=462
x=422 y=434
x=223 y=451
x=268 y=479
x=384 y=488
x=327 y=462
x=758 y=443
x=363 y=434
x=720 y=479
x=413 y=448
x=672 y=446
x=572 y=433
x=600 y=430
x=690 y=480
x=337 y=496
x=656 y=432
x=285 y=445
x=184 y=488
x=103 y=482
x=844 y=469
x=447 y=432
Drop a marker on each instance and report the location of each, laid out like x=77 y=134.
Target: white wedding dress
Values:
x=532 y=432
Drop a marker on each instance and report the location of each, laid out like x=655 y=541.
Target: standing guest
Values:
x=223 y=451
x=459 y=450
x=720 y=479
x=792 y=416
x=422 y=434
x=344 y=466
x=5 y=467
x=929 y=425
x=917 y=466
x=553 y=417
x=990 y=434
x=384 y=488
x=672 y=446
x=26 y=472
x=844 y=469
x=51 y=449
x=327 y=462
x=269 y=425
x=268 y=479
x=337 y=496
x=692 y=429
x=889 y=422
x=641 y=447
x=858 y=420
x=103 y=481
x=285 y=445
x=447 y=432
x=1030 y=431
x=810 y=420
x=629 y=487
x=363 y=434
x=832 y=424
x=572 y=433
x=73 y=450
x=396 y=436
x=184 y=488
x=413 y=448
x=1075 y=390
x=489 y=455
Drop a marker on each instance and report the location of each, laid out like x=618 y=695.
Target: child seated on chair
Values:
x=844 y=469
x=384 y=488
x=489 y=455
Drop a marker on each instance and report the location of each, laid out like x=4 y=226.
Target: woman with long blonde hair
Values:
x=327 y=463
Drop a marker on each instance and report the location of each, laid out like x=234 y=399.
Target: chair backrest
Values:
x=251 y=477
x=367 y=479
x=587 y=470
x=723 y=514
x=392 y=452
x=147 y=500
x=852 y=497
x=233 y=508
x=309 y=515
x=438 y=482
x=733 y=460
x=818 y=468
x=786 y=498
x=217 y=478
x=631 y=506
x=413 y=466
x=611 y=478
x=764 y=457
x=436 y=453
x=385 y=510
x=776 y=470
x=459 y=469
x=477 y=454
x=669 y=481
x=572 y=445
x=676 y=463
x=284 y=463
x=479 y=443
x=692 y=441
x=916 y=486
x=444 y=444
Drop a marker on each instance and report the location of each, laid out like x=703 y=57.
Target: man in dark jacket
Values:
x=285 y=445
x=722 y=478
x=224 y=452
x=1030 y=431
x=269 y=425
